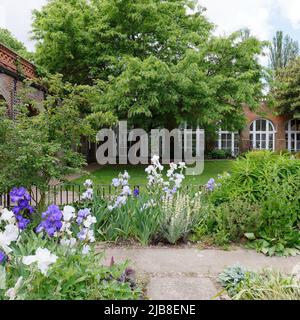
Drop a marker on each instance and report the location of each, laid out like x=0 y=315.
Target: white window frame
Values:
x=220 y=132
x=267 y=132
x=289 y=132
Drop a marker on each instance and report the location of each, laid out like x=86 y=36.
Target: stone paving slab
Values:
x=204 y=262
x=190 y=273
x=181 y=288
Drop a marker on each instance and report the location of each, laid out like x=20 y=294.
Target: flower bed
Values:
x=52 y=255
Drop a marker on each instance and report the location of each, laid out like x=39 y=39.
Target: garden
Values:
x=52 y=254
x=156 y=64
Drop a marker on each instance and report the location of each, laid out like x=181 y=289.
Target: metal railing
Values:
x=66 y=194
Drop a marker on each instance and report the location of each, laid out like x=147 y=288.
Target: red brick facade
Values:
x=278 y=122
x=14 y=69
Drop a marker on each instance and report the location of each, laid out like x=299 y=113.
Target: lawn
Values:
x=138 y=175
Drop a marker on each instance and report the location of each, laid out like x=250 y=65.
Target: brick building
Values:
x=264 y=130
x=13 y=70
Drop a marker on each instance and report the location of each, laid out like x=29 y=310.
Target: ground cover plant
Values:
x=259 y=201
x=242 y=284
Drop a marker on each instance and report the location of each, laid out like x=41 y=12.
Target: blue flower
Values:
x=3 y=257
x=23 y=209
x=51 y=221
x=83 y=213
x=136 y=192
x=211 y=184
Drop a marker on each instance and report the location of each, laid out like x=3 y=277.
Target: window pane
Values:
x=270 y=126
x=251 y=126
x=298 y=142
x=271 y=137
x=287 y=126
x=293 y=125
x=263 y=125
x=258 y=125
x=257 y=145
x=298 y=125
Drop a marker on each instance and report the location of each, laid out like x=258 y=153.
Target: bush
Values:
x=252 y=176
x=219 y=154
x=131 y=221
x=228 y=222
x=261 y=199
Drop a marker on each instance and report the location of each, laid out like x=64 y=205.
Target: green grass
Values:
x=138 y=175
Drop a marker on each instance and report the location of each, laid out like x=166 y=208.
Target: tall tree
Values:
x=282 y=50
x=155 y=62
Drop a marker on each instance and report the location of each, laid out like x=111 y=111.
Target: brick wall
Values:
x=13 y=69
x=265 y=113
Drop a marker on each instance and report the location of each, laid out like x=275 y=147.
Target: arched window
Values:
x=292 y=135
x=262 y=135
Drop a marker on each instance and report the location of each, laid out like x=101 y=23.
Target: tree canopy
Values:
x=155 y=62
x=286 y=90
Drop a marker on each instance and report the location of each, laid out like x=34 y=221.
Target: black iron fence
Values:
x=65 y=194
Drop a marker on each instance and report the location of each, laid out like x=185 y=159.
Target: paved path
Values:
x=190 y=273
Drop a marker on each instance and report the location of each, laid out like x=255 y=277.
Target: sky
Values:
x=262 y=17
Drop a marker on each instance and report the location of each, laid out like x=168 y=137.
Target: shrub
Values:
x=228 y=222
x=271 y=184
x=219 y=154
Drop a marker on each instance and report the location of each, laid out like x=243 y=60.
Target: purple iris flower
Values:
x=211 y=184
x=2 y=257
x=51 y=221
x=81 y=235
x=136 y=192
x=83 y=213
x=23 y=209
x=18 y=194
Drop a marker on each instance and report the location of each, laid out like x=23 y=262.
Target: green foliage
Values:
x=179 y=214
x=232 y=279
x=148 y=73
x=74 y=276
x=219 y=154
x=228 y=222
x=128 y=222
x=285 y=90
x=260 y=201
x=253 y=175
x=265 y=285
x=43 y=141
x=146 y=220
